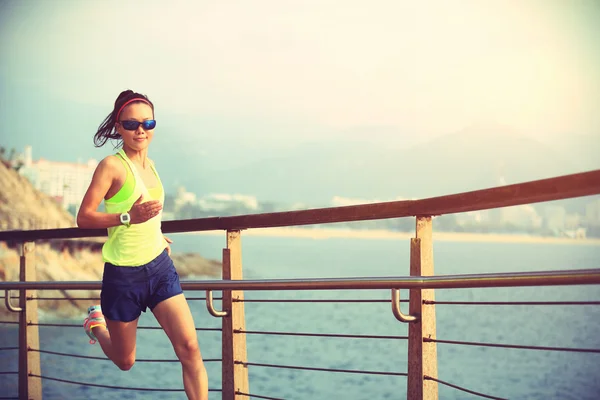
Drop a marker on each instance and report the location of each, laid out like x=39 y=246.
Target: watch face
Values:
x=124 y=218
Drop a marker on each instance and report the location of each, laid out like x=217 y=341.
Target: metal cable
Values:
x=9 y=372
x=513 y=346
x=139 y=327
x=30 y=298
x=428 y=302
x=350 y=371
x=257 y=396
x=312 y=301
x=8 y=348
x=113 y=387
x=9 y=322
x=97 y=298
x=9 y=398
x=487 y=396
x=515 y=303
x=203 y=298
x=335 y=335
x=56 y=353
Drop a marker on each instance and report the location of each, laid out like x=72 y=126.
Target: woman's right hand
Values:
x=142 y=212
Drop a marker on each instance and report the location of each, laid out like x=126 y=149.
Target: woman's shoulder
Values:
x=111 y=163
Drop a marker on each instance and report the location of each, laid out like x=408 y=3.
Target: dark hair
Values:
x=107 y=129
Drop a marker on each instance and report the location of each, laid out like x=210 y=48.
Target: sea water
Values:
x=501 y=372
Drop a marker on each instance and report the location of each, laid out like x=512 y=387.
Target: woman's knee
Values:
x=188 y=350
x=125 y=364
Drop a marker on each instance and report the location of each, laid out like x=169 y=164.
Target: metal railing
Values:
x=462 y=281
x=554 y=278
x=422 y=376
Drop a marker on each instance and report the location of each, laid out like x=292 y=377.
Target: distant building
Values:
x=64 y=181
x=222 y=201
x=573 y=221
x=472 y=217
x=339 y=201
x=184 y=197
x=579 y=233
x=555 y=218
x=592 y=213
x=523 y=216
x=214 y=202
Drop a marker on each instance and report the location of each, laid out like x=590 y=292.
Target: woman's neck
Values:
x=139 y=157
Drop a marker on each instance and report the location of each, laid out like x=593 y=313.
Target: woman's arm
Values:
x=104 y=176
x=169 y=241
x=88 y=216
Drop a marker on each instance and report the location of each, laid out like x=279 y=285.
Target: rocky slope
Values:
x=22 y=207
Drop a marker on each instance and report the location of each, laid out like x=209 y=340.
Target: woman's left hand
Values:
x=168 y=244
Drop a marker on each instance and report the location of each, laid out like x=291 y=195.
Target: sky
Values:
x=429 y=67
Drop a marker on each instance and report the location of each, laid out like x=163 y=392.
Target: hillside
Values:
x=22 y=208
x=474 y=158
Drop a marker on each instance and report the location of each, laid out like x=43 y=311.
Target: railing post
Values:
x=422 y=356
x=29 y=361
x=235 y=374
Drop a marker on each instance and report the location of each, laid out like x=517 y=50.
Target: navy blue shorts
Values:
x=127 y=291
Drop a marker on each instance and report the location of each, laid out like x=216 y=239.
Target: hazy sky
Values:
x=432 y=66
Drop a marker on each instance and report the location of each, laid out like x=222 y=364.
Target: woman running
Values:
x=138 y=270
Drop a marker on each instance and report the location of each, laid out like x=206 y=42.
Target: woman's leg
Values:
x=175 y=317
x=118 y=341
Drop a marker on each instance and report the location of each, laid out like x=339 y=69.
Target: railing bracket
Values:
x=211 y=307
x=396 y=309
x=9 y=304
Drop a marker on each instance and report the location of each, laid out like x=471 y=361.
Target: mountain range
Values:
x=478 y=157
x=291 y=162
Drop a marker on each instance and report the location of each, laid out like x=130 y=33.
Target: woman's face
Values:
x=138 y=139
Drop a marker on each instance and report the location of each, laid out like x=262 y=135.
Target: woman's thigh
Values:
x=123 y=337
x=175 y=317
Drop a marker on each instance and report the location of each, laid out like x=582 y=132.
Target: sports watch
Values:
x=125 y=219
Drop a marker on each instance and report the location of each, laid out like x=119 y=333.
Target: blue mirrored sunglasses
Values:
x=133 y=125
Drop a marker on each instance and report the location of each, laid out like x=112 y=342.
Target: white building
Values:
x=66 y=182
x=472 y=217
x=592 y=213
x=523 y=216
x=555 y=218
x=340 y=201
x=216 y=202
x=223 y=201
x=184 y=197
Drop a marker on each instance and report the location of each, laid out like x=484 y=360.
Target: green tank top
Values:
x=137 y=244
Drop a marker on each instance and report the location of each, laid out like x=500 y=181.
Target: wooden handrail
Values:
x=558 y=188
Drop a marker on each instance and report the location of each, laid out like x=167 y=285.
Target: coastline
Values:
x=329 y=233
